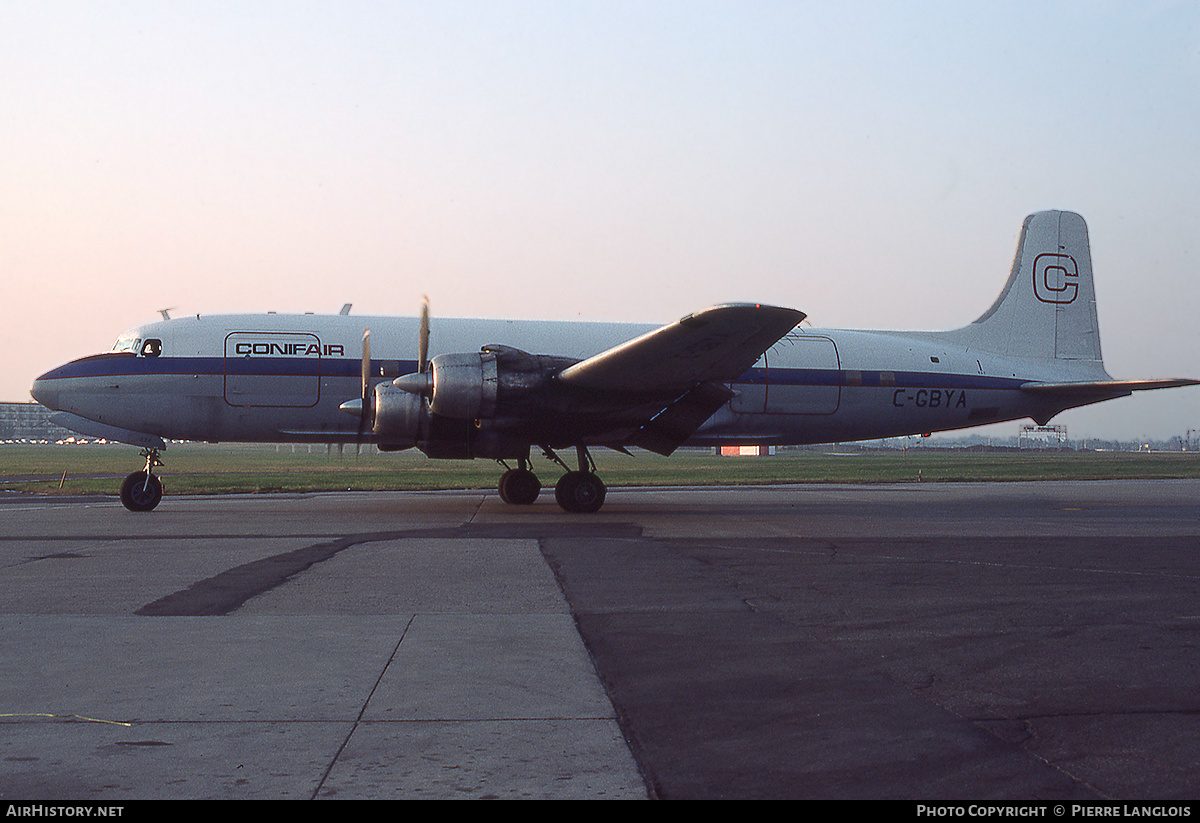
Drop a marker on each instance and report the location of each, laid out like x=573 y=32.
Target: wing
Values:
x=712 y=346
x=660 y=387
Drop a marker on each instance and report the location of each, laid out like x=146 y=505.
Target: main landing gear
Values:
x=142 y=490
x=578 y=491
x=520 y=486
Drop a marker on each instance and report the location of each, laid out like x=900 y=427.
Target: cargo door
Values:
x=272 y=369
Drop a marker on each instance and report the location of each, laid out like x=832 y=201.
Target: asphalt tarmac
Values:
x=1023 y=641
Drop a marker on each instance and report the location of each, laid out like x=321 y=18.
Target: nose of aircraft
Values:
x=44 y=392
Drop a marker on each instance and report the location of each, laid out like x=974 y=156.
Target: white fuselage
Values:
x=282 y=378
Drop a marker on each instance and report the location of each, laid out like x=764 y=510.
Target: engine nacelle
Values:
x=465 y=386
x=401 y=418
x=477 y=386
x=468 y=404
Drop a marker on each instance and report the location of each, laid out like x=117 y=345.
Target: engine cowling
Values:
x=464 y=386
x=401 y=418
x=465 y=402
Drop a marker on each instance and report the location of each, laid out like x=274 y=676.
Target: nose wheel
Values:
x=142 y=491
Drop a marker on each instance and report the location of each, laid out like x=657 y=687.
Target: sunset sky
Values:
x=869 y=163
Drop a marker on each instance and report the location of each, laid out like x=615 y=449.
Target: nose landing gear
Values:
x=142 y=491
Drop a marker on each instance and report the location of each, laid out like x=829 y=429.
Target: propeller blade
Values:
x=366 y=367
x=423 y=338
x=366 y=411
x=420 y=381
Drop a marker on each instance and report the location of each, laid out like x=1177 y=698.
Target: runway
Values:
x=925 y=641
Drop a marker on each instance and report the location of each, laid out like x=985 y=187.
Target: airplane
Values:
x=732 y=374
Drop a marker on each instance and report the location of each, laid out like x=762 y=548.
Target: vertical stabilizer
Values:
x=1047 y=309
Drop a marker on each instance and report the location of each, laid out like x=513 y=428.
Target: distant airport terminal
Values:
x=29 y=422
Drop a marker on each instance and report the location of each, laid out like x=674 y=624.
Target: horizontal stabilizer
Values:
x=1103 y=388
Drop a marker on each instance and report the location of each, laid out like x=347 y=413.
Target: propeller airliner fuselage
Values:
x=733 y=374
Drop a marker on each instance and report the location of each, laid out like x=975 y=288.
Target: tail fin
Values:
x=1047 y=309
x=1047 y=313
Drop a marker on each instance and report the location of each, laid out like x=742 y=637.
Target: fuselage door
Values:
x=276 y=369
x=810 y=382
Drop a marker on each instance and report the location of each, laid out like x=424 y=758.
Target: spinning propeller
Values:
x=423 y=338
x=366 y=408
x=364 y=405
x=420 y=381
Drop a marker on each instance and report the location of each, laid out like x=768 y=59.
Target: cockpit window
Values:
x=127 y=343
x=152 y=347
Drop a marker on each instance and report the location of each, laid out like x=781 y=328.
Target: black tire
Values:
x=519 y=487
x=140 y=493
x=580 y=492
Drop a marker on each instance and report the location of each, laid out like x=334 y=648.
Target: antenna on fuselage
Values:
x=345 y=309
x=165 y=313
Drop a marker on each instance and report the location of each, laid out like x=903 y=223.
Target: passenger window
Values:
x=152 y=348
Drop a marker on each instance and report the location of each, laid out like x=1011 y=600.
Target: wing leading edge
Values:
x=714 y=345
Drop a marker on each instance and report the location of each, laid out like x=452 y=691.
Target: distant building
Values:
x=29 y=421
x=746 y=451
x=1042 y=437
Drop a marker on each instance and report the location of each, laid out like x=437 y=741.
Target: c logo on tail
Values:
x=1055 y=278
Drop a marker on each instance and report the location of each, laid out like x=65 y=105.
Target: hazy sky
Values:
x=869 y=163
